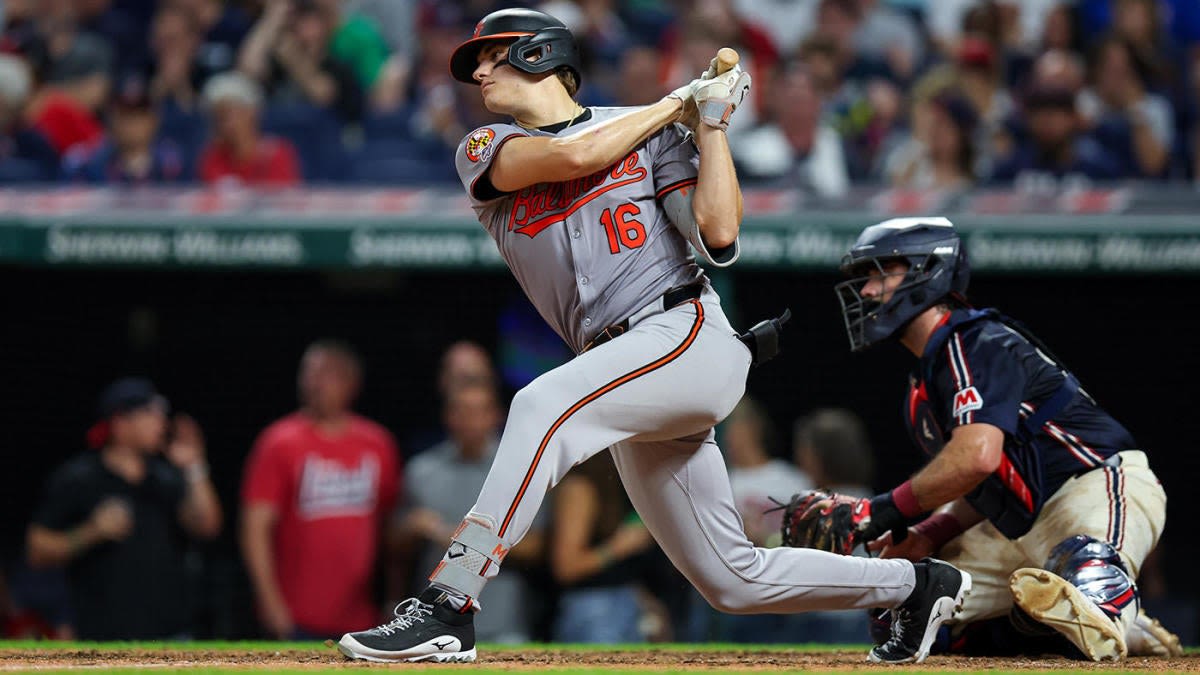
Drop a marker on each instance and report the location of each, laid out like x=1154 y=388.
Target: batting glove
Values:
x=717 y=98
x=684 y=93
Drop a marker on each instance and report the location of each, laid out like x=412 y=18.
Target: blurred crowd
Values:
x=335 y=521
x=916 y=94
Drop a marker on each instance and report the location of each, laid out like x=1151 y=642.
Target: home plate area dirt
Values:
x=550 y=658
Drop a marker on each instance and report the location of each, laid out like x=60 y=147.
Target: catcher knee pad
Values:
x=474 y=555
x=1096 y=569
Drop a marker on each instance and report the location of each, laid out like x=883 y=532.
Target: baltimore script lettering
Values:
x=567 y=197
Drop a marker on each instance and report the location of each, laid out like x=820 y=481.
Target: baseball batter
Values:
x=594 y=211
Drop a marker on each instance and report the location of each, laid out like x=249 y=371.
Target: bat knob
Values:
x=727 y=58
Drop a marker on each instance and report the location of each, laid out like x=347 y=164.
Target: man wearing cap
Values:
x=117 y=517
x=238 y=151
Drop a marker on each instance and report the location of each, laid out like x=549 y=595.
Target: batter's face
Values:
x=502 y=86
x=881 y=285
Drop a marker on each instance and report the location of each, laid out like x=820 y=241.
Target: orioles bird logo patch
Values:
x=479 y=144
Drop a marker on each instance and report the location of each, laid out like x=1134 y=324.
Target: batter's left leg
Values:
x=680 y=489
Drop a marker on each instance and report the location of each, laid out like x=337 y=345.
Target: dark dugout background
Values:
x=223 y=346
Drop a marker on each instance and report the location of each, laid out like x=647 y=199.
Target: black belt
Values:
x=673 y=297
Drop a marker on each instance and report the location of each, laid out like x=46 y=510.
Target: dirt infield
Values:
x=550 y=658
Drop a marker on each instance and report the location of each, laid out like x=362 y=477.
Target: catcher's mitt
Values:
x=826 y=521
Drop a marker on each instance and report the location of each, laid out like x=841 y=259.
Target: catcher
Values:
x=1032 y=487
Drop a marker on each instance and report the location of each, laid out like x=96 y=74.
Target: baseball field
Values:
x=315 y=657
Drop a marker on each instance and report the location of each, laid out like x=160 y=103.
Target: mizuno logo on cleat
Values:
x=442 y=645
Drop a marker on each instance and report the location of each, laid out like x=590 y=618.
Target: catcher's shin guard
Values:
x=1085 y=593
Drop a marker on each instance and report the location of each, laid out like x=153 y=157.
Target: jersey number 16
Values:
x=622 y=228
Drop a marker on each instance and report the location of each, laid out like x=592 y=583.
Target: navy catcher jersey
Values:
x=591 y=251
x=979 y=369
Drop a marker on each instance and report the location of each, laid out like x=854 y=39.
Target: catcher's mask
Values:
x=534 y=34
x=937 y=270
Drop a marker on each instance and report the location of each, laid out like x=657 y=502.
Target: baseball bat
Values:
x=726 y=58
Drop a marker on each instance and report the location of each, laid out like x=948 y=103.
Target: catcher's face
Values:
x=880 y=285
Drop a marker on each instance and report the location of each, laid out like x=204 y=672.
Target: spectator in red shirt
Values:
x=317 y=490
x=238 y=151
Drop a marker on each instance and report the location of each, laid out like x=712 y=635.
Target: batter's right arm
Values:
x=529 y=160
x=717 y=206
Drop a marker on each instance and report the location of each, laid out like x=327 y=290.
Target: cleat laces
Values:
x=900 y=620
x=408 y=613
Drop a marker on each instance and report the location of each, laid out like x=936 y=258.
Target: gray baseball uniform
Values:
x=590 y=253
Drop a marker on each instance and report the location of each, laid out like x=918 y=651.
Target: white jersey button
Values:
x=583 y=281
x=577 y=233
x=587 y=320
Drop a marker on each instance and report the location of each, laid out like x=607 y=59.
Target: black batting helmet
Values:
x=938 y=270
x=533 y=32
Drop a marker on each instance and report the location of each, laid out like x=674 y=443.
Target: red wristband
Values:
x=906 y=501
x=940 y=528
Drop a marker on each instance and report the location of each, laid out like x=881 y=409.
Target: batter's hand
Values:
x=690 y=115
x=685 y=92
x=719 y=97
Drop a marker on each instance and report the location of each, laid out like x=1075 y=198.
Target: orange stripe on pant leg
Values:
x=628 y=377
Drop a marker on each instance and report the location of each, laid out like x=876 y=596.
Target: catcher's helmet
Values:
x=937 y=270
x=535 y=33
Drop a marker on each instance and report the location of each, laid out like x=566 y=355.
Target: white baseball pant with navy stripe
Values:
x=1124 y=505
